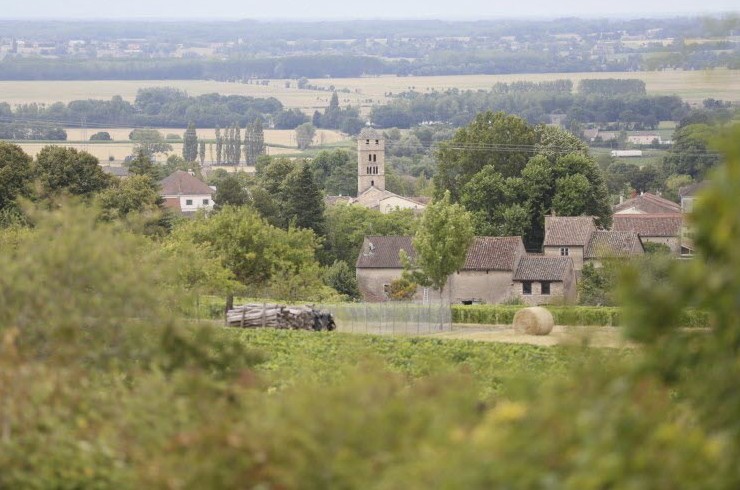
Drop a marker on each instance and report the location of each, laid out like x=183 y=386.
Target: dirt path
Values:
x=560 y=335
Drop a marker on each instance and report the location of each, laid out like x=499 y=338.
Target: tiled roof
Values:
x=663 y=225
x=692 y=189
x=485 y=253
x=370 y=134
x=382 y=252
x=605 y=244
x=182 y=183
x=568 y=230
x=493 y=253
x=541 y=268
x=372 y=197
x=649 y=204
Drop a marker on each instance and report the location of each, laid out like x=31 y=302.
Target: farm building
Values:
x=488 y=275
x=184 y=193
x=654 y=228
x=578 y=237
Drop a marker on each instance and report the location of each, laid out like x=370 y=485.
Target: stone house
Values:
x=653 y=228
x=485 y=277
x=488 y=275
x=185 y=194
x=579 y=238
x=542 y=280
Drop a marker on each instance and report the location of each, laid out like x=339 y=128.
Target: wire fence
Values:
x=391 y=318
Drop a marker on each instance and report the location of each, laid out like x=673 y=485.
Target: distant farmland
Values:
x=694 y=86
x=279 y=142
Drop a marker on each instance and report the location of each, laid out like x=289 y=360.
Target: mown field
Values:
x=694 y=86
x=279 y=142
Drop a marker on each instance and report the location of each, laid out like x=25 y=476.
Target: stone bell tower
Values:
x=370 y=160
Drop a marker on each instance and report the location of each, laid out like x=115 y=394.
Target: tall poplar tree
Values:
x=190 y=144
x=219 y=146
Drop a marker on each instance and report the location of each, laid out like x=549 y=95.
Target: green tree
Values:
x=230 y=192
x=497 y=139
x=691 y=154
x=335 y=172
x=135 y=194
x=341 y=277
x=302 y=201
x=142 y=164
x=101 y=136
x=569 y=192
x=254 y=142
x=304 y=135
x=190 y=144
x=442 y=240
x=150 y=141
x=16 y=174
x=202 y=152
x=347 y=226
x=69 y=170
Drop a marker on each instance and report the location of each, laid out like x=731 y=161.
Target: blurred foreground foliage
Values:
x=102 y=385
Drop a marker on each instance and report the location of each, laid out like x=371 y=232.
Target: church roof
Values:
x=372 y=197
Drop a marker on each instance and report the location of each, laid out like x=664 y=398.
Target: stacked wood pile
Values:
x=279 y=316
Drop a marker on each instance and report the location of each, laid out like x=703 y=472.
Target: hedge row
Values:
x=563 y=315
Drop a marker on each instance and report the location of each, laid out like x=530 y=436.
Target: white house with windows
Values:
x=184 y=193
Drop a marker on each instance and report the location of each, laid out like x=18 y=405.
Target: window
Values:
x=367 y=142
x=527 y=287
x=377 y=142
x=564 y=251
x=205 y=202
x=545 y=287
x=369 y=158
x=188 y=202
x=372 y=183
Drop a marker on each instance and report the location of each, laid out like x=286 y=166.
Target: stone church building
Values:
x=371 y=191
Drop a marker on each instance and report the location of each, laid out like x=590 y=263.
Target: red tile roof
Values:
x=181 y=183
x=568 y=230
x=649 y=225
x=649 y=204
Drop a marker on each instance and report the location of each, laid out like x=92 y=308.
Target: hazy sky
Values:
x=344 y=9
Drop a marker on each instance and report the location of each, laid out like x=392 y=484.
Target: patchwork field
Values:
x=279 y=142
x=365 y=92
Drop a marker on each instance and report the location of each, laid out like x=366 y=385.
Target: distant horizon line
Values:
x=492 y=17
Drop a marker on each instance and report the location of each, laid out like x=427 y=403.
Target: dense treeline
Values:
x=31 y=131
x=536 y=102
x=164 y=107
x=316 y=66
x=347 y=66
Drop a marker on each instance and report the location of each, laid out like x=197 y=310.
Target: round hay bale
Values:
x=533 y=321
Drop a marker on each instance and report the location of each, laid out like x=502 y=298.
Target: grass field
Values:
x=694 y=86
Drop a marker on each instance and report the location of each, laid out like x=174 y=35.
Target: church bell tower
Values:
x=370 y=160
